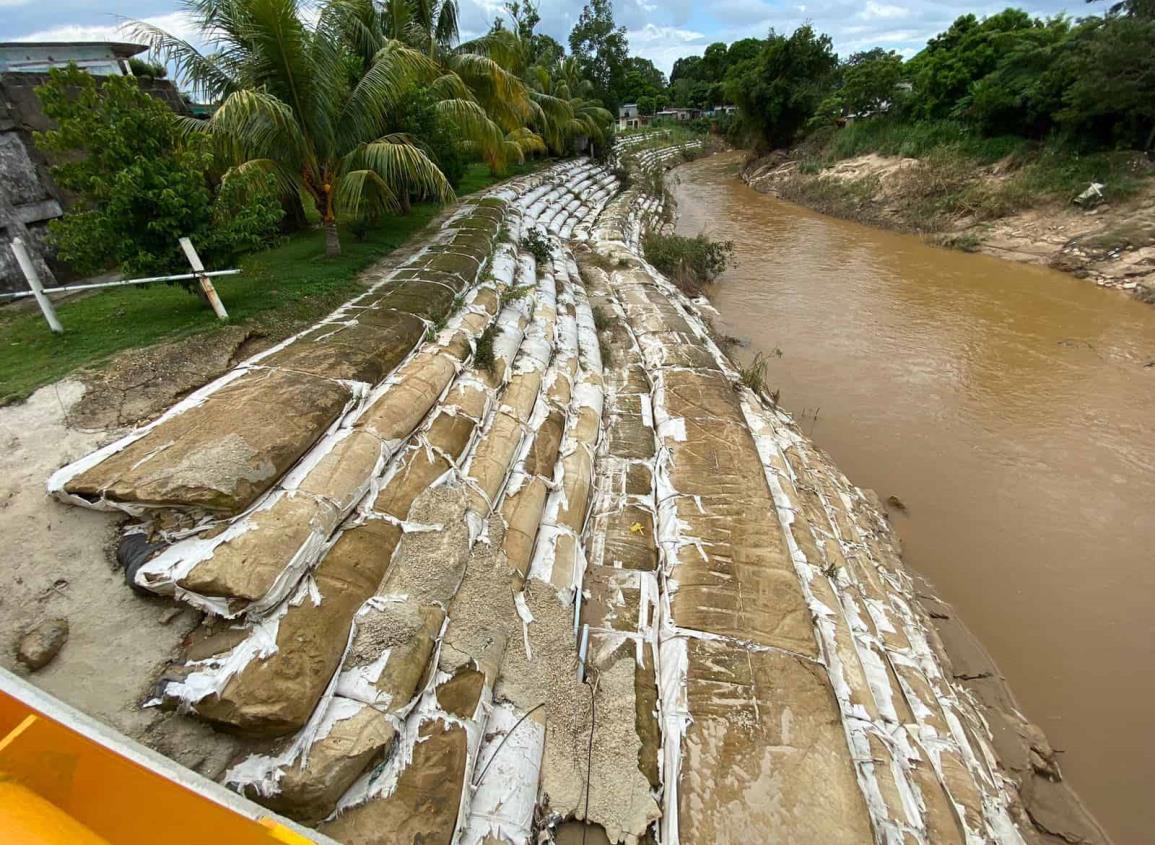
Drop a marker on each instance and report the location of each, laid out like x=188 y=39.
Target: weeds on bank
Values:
x=536 y=244
x=690 y=263
x=483 y=350
x=959 y=174
x=516 y=292
x=753 y=375
x=966 y=242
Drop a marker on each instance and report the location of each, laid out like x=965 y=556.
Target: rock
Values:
x=40 y=644
x=171 y=614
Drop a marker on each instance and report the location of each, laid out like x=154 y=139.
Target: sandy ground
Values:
x=58 y=562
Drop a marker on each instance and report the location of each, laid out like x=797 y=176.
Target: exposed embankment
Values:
x=506 y=544
x=978 y=209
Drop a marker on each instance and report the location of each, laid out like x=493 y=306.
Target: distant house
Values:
x=29 y=198
x=628 y=117
x=679 y=115
x=100 y=58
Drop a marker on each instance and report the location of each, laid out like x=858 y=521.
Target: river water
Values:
x=1012 y=410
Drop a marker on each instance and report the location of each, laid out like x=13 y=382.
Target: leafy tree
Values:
x=714 y=63
x=297 y=101
x=745 y=49
x=476 y=87
x=781 y=91
x=642 y=79
x=1025 y=89
x=417 y=116
x=1112 y=93
x=870 y=80
x=687 y=67
x=141 y=184
x=568 y=108
x=953 y=61
x=601 y=49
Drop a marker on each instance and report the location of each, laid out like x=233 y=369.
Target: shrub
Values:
x=148 y=70
x=483 y=351
x=689 y=262
x=536 y=244
x=141 y=185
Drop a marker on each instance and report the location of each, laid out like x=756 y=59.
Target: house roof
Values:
x=120 y=49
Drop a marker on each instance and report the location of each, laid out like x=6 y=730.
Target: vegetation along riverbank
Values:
x=467 y=527
x=1023 y=137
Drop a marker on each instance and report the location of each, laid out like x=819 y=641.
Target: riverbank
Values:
x=980 y=207
x=962 y=385
x=559 y=517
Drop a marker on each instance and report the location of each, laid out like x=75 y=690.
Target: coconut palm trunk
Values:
x=332 y=239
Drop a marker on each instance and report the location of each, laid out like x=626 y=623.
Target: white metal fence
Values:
x=36 y=289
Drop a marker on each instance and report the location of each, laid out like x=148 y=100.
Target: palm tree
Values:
x=563 y=96
x=296 y=101
x=478 y=88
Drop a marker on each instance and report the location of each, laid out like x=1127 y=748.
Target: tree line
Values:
x=1090 y=81
x=356 y=107
x=361 y=107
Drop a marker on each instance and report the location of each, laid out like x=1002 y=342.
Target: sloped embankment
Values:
x=503 y=546
x=977 y=209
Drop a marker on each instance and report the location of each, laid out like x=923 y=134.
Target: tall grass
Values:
x=960 y=173
x=893 y=137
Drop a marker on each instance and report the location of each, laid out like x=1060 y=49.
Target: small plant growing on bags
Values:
x=483 y=351
x=536 y=244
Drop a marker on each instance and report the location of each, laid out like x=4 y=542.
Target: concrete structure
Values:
x=629 y=117
x=679 y=115
x=102 y=58
x=29 y=198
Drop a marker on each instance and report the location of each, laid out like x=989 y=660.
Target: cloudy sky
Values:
x=661 y=30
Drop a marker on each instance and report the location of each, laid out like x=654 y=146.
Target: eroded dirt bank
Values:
x=505 y=547
x=1111 y=244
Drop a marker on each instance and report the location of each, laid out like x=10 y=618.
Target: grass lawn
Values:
x=280 y=290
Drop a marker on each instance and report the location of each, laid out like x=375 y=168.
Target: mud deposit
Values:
x=1011 y=411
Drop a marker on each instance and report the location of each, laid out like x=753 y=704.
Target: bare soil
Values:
x=57 y=562
x=1112 y=244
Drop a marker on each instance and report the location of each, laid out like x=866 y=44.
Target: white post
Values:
x=33 y=277
x=205 y=282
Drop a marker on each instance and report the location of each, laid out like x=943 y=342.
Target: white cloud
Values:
x=663 y=45
x=179 y=24
x=742 y=12
x=883 y=11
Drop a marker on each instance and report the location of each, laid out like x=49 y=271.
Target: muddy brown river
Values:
x=1011 y=409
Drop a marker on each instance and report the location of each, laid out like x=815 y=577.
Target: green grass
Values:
x=891 y=137
x=477 y=176
x=280 y=290
x=956 y=178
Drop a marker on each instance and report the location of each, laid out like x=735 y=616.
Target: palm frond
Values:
x=203 y=74
x=364 y=192
x=402 y=165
